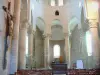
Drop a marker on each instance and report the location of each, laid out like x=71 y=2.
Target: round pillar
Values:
x=30 y=45
x=22 y=45
x=67 y=51
x=22 y=35
x=95 y=43
x=46 y=50
x=14 y=49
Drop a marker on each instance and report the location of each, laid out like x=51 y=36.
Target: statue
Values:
x=8 y=34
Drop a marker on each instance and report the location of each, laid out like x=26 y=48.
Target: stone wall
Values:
x=79 y=50
x=39 y=49
x=37 y=10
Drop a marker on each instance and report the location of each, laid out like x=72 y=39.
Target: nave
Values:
x=36 y=34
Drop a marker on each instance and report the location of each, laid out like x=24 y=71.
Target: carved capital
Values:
x=24 y=24
x=93 y=24
x=47 y=35
x=23 y=4
x=66 y=35
x=30 y=29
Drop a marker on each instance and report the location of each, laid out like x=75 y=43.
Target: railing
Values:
x=70 y=72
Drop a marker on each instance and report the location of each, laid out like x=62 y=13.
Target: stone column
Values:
x=29 y=11
x=22 y=45
x=95 y=43
x=46 y=50
x=30 y=45
x=67 y=52
x=22 y=35
x=14 y=49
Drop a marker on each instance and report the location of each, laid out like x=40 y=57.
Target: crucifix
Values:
x=8 y=32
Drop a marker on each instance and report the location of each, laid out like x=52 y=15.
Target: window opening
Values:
x=57 y=13
x=57 y=2
x=53 y=3
x=27 y=45
x=89 y=43
x=60 y=2
x=56 y=50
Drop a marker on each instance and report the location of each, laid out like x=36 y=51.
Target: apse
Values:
x=57 y=42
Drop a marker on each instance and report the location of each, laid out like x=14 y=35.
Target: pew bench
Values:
x=59 y=68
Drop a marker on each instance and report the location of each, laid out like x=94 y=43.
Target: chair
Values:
x=59 y=68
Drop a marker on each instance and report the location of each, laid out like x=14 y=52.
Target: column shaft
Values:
x=22 y=35
x=14 y=50
x=67 y=52
x=30 y=49
x=30 y=45
x=29 y=11
x=95 y=43
x=22 y=48
x=46 y=51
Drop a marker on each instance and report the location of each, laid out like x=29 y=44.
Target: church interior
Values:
x=38 y=34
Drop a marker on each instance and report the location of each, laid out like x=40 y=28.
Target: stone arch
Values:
x=40 y=24
x=56 y=22
x=73 y=23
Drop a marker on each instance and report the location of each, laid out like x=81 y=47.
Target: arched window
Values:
x=57 y=13
x=53 y=3
x=56 y=50
x=57 y=2
x=89 y=43
x=60 y=2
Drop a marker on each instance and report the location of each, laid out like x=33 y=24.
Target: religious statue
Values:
x=8 y=34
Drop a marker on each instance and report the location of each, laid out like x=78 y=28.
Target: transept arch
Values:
x=56 y=22
x=72 y=24
x=40 y=24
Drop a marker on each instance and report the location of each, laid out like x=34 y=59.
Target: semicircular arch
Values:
x=40 y=23
x=73 y=23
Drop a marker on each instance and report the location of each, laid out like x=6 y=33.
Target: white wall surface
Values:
x=71 y=9
x=37 y=9
x=2 y=2
x=2 y=34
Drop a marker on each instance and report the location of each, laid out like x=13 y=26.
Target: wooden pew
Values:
x=59 y=68
x=69 y=72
